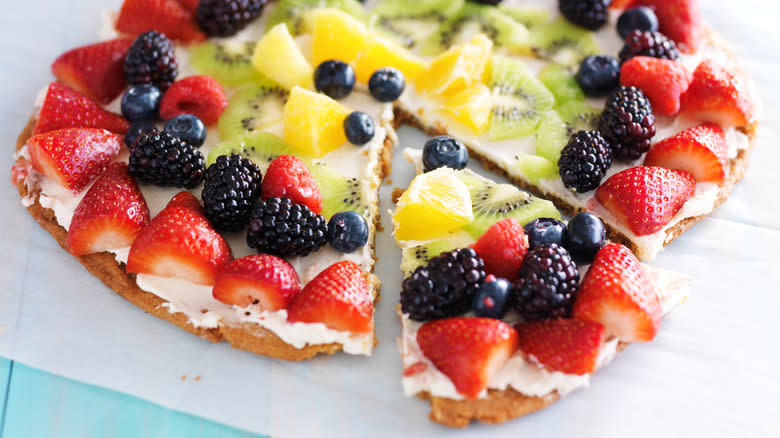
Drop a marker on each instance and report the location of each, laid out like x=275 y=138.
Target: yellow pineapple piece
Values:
x=458 y=68
x=380 y=52
x=336 y=35
x=313 y=122
x=471 y=107
x=278 y=57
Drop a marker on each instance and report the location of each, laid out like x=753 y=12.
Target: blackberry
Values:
x=584 y=161
x=279 y=227
x=227 y=17
x=590 y=14
x=652 y=44
x=627 y=123
x=547 y=283
x=230 y=189
x=444 y=287
x=163 y=159
x=151 y=60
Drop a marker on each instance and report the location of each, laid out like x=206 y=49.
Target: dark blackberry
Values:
x=652 y=44
x=227 y=17
x=230 y=189
x=151 y=60
x=584 y=161
x=444 y=287
x=627 y=123
x=547 y=283
x=284 y=229
x=163 y=159
x=590 y=14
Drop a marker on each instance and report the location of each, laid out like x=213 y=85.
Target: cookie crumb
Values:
x=204 y=311
x=197 y=378
x=388 y=181
x=183 y=377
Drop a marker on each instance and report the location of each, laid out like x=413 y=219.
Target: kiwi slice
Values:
x=562 y=42
x=415 y=256
x=252 y=108
x=339 y=193
x=557 y=126
x=561 y=81
x=536 y=168
x=412 y=22
x=293 y=12
x=230 y=63
x=519 y=99
x=528 y=17
x=472 y=19
x=260 y=147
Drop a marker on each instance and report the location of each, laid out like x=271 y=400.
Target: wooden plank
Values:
x=6 y=366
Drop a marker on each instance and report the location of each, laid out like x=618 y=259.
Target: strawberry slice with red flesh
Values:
x=181 y=243
x=262 y=279
x=503 y=247
x=718 y=95
x=166 y=16
x=701 y=150
x=662 y=80
x=288 y=177
x=617 y=293
x=199 y=95
x=64 y=107
x=190 y=5
x=620 y=4
x=110 y=215
x=679 y=20
x=95 y=70
x=73 y=157
x=569 y=346
x=645 y=198
x=468 y=350
x=338 y=297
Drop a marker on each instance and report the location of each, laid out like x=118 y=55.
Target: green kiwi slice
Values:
x=412 y=22
x=415 y=256
x=260 y=147
x=293 y=12
x=339 y=193
x=558 y=125
x=561 y=81
x=230 y=63
x=528 y=17
x=562 y=42
x=252 y=108
x=536 y=168
x=519 y=99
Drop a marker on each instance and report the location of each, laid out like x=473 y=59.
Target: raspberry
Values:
x=584 y=161
x=151 y=60
x=288 y=177
x=227 y=17
x=652 y=44
x=627 y=123
x=200 y=95
x=162 y=158
x=590 y=14
x=547 y=283
x=502 y=248
x=231 y=187
x=282 y=228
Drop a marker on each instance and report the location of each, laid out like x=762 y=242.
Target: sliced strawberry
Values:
x=662 y=80
x=64 y=107
x=415 y=368
x=338 y=297
x=190 y=5
x=261 y=279
x=19 y=171
x=180 y=242
x=73 y=157
x=502 y=247
x=718 y=95
x=95 y=70
x=680 y=20
x=110 y=215
x=645 y=198
x=621 y=4
x=617 y=293
x=702 y=151
x=288 y=177
x=567 y=345
x=468 y=350
x=166 y=16
x=199 y=95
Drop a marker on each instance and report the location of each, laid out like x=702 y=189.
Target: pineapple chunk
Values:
x=381 y=52
x=313 y=122
x=471 y=107
x=458 y=68
x=278 y=57
x=337 y=35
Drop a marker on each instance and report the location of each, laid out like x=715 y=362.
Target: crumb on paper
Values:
x=204 y=311
x=183 y=377
x=388 y=181
x=197 y=378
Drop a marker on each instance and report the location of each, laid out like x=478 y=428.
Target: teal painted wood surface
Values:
x=5 y=378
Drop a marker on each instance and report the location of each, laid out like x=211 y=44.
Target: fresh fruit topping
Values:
x=339 y=192
x=717 y=94
x=461 y=66
x=468 y=350
x=493 y=298
x=280 y=227
x=64 y=107
x=645 y=198
x=163 y=159
x=110 y=214
x=502 y=248
x=562 y=83
x=679 y=20
x=617 y=293
x=627 y=123
x=590 y=14
x=179 y=242
x=278 y=57
x=702 y=151
x=584 y=161
x=586 y=236
x=662 y=81
x=569 y=346
x=536 y=168
x=414 y=369
x=471 y=107
x=19 y=171
x=338 y=297
x=297 y=15
x=165 y=16
x=138 y=129
x=334 y=78
x=557 y=126
x=444 y=151
x=359 y=128
x=640 y=18
x=546 y=230
x=380 y=53
x=73 y=157
x=562 y=42
x=336 y=35
x=546 y=284
x=288 y=177
x=621 y=4
x=190 y=5
x=386 y=84
x=260 y=147
x=252 y=108
x=313 y=122
x=647 y=43
x=444 y=287
x=598 y=75
x=260 y=279
x=229 y=62
x=189 y=128
x=199 y=95
x=347 y=231
x=95 y=70
x=226 y=17
x=141 y=102
x=231 y=187
x=435 y=203
x=411 y=23
x=471 y=19
x=151 y=60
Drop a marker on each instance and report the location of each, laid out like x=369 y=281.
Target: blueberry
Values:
x=586 y=236
x=598 y=75
x=141 y=102
x=545 y=230
x=334 y=78
x=493 y=298
x=188 y=128
x=359 y=128
x=386 y=84
x=443 y=151
x=347 y=231
x=641 y=18
x=136 y=130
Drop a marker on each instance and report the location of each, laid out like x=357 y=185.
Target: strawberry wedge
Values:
x=95 y=70
x=702 y=151
x=165 y=16
x=262 y=279
x=717 y=94
x=64 y=107
x=570 y=346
